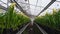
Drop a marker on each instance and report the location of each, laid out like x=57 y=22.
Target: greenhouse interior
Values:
x=29 y=16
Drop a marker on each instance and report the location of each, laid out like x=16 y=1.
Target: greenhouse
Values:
x=29 y=16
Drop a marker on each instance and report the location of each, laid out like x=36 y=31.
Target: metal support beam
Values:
x=20 y=8
x=2 y=7
x=3 y=2
x=47 y=6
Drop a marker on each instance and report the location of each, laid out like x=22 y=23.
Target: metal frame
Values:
x=47 y=6
x=3 y=2
x=2 y=7
x=20 y=8
x=36 y=5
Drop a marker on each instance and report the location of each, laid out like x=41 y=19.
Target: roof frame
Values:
x=47 y=6
x=20 y=8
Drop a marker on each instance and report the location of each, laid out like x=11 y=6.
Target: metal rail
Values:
x=42 y=30
x=23 y=29
x=20 y=32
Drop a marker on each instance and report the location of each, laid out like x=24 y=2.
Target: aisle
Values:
x=32 y=30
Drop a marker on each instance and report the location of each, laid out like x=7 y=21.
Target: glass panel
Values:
x=33 y=2
x=39 y=5
x=3 y=4
x=33 y=6
x=55 y=5
x=5 y=1
x=43 y=2
x=57 y=0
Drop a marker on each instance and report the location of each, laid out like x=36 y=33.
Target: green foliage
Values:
x=11 y=19
x=52 y=21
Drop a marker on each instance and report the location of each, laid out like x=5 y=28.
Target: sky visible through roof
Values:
x=38 y=5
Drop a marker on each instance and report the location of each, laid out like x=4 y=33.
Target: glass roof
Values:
x=33 y=7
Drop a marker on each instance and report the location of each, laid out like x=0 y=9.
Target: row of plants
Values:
x=11 y=20
x=50 y=20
